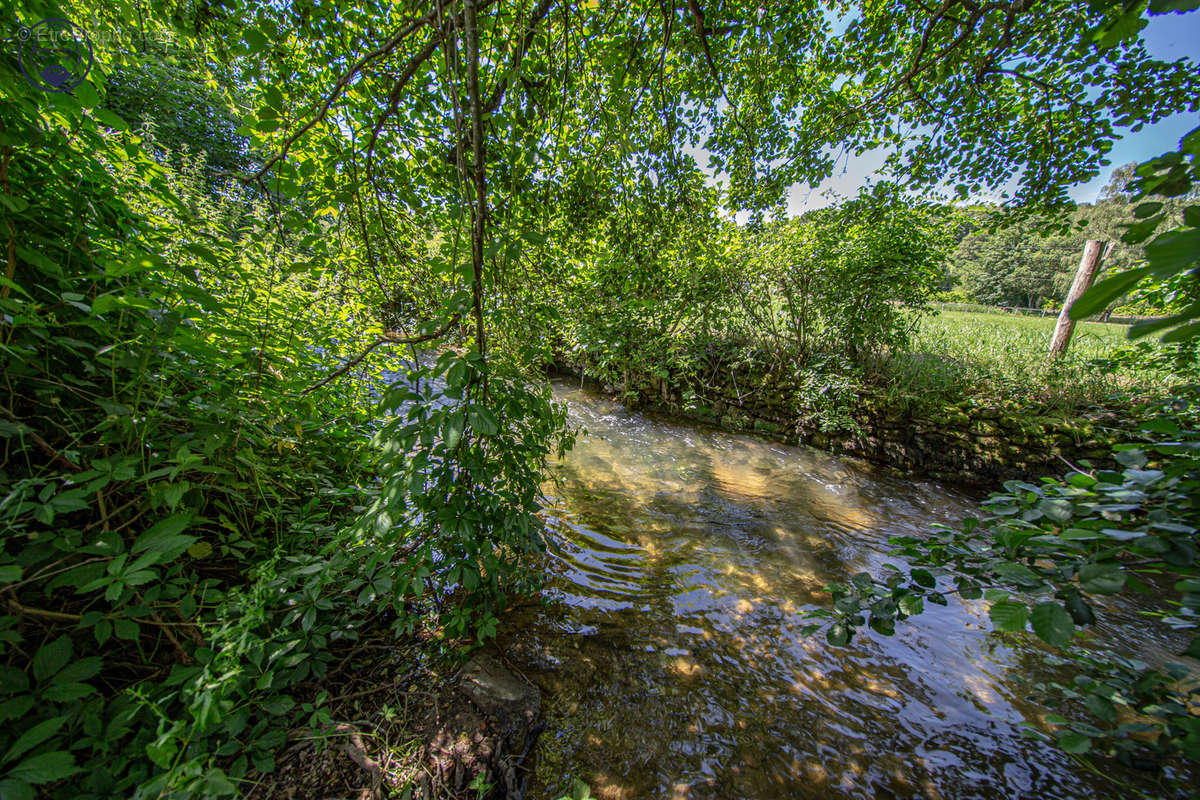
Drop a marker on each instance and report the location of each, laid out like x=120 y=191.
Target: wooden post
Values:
x=1089 y=265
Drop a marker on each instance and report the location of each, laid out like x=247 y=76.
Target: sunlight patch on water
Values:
x=680 y=564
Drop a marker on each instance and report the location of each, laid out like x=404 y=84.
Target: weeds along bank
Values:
x=965 y=443
x=212 y=537
x=819 y=330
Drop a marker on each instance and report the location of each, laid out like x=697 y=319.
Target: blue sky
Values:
x=1167 y=37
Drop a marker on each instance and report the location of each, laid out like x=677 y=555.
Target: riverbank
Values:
x=415 y=727
x=972 y=442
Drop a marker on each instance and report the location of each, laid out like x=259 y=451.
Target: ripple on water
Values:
x=681 y=562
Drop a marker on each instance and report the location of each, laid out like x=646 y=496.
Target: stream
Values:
x=668 y=649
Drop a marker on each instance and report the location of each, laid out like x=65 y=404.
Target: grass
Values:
x=958 y=354
x=992 y=334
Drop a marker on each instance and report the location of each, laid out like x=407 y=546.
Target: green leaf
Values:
x=1176 y=6
x=278 y=705
x=838 y=634
x=1097 y=298
x=45 y=768
x=162 y=536
x=1052 y=624
x=1101 y=707
x=1173 y=252
x=1018 y=574
x=51 y=658
x=111 y=119
x=34 y=736
x=1134 y=459
x=67 y=692
x=217 y=784
x=126 y=629
x=1122 y=535
x=1193 y=649
x=1075 y=743
x=87 y=95
x=200 y=550
x=922 y=577
x=1101 y=578
x=80 y=670
x=1081 y=613
x=15 y=790
x=255 y=39
x=1009 y=616
x=1055 y=509
x=483 y=421
x=10 y=573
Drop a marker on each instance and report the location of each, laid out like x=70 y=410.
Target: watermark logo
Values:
x=55 y=55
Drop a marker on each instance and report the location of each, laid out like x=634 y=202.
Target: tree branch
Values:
x=339 y=87
x=391 y=337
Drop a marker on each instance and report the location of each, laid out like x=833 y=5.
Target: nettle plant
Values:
x=1045 y=557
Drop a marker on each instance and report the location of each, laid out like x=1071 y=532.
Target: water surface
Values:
x=669 y=648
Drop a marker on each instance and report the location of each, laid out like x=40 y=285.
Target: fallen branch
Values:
x=354 y=747
x=391 y=337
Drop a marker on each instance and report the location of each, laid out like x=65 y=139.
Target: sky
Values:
x=1168 y=37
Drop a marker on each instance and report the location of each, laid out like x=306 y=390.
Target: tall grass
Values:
x=959 y=355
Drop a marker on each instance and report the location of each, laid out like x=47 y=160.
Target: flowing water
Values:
x=669 y=648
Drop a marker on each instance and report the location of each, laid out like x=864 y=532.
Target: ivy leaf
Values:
x=1075 y=742
x=1052 y=624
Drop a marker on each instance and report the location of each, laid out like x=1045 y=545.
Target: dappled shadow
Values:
x=681 y=563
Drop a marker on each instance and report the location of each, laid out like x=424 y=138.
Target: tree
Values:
x=958 y=94
x=1013 y=262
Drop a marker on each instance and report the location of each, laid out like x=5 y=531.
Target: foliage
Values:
x=849 y=280
x=170 y=96
x=1161 y=185
x=1044 y=557
x=1016 y=265
x=958 y=94
x=179 y=564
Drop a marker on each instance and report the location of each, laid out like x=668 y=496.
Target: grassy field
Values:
x=957 y=353
x=1013 y=336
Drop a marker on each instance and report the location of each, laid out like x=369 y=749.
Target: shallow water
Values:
x=680 y=562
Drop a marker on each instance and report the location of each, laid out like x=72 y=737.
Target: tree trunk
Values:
x=1089 y=265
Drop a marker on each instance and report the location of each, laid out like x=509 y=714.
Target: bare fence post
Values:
x=1089 y=265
